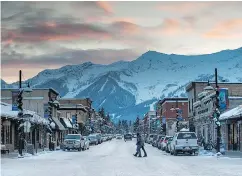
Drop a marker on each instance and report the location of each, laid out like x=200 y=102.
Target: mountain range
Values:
x=128 y=89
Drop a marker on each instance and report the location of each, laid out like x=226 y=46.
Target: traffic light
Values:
x=50 y=109
x=216 y=116
x=20 y=104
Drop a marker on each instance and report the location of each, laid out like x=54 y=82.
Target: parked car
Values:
x=168 y=145
x=150 y=139
x=155 y=136
x=184 y=142
x=119 y=136
x=164 y=142
x=93 y=139
x=160 y=141
x=86 y=143
x=99 y=138
x=146 y=138
x=74 y=141
x=127 y=137
x=110 y=137
x=104 y=138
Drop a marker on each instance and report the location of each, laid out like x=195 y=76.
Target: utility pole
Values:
x=217 y=111
x=20 y=114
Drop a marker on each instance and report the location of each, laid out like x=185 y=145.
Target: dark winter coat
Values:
x=139 y=140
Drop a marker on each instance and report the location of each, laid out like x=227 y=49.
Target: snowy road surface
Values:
x=116 y=158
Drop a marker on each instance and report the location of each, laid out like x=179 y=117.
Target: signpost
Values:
x=14 y=100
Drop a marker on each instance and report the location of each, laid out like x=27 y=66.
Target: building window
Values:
x=189 y=105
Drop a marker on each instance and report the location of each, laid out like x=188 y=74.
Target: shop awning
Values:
x=66 y=123
x=58 y=124
x=232 y=113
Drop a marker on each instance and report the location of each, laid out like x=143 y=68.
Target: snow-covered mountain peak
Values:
x=128 y=88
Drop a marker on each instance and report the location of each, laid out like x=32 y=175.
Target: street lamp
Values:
x=20 y=111
x=216 y=113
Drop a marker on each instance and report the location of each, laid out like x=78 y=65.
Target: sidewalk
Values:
x=14 y=155
x=233 y=154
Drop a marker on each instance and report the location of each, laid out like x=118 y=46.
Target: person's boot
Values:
x=139 y=156
x=145 y=155
x=135 y=154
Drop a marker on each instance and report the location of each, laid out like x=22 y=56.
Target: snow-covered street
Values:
x=115 y=158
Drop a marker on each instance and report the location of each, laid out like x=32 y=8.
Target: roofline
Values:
x=72 y=99
x=71 y=108
x=52 y=89
x=172 y=99
x=192 y=83
x=213 y=82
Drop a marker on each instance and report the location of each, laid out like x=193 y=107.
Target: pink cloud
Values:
x=105 y=6
x=51 y=31
x=226 y=29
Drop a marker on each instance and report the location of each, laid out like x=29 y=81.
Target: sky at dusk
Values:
x=41 y=35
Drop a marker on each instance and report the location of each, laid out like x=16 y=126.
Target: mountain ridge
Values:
x=126 y=88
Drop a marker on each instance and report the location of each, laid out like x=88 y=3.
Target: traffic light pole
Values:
x=217 y=107
x=20 y=115
x=177 y=121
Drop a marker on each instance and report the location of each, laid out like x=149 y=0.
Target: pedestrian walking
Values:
x=138 y=144
x=142 y=146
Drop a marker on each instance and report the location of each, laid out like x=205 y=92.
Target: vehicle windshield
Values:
x=72 y=136
x=91 y=137
x=186 y=136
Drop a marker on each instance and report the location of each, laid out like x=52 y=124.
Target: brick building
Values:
x=167 y=116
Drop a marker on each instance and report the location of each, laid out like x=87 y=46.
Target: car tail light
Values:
x=176 y=142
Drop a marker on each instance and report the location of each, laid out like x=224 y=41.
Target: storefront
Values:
x=231 y=123
x=10 y=123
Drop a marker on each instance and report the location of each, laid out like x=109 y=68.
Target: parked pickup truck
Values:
x=74 y=142
x=184 y=142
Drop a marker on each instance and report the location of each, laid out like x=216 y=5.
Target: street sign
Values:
x=14 y=100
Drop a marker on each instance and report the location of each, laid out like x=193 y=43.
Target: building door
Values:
x=232 y=136
x=34 y=137
x=235 y=133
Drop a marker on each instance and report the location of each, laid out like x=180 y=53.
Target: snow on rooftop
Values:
x=233 y=113
x=234 y=97
x=6 y=111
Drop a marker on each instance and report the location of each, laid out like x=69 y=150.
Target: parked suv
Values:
x=127 y=137
x=93 y=139
x=74 y=141
x=184 y=142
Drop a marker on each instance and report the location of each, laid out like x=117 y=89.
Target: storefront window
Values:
x=235 y=146
x=240 y=138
